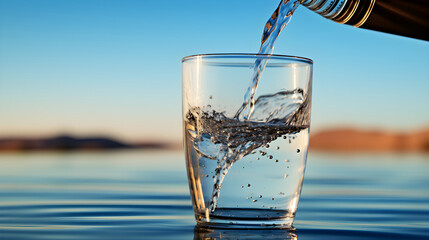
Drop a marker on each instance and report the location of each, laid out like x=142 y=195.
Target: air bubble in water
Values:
x=211 y=97
x=277 y=160
x=260 y=196
x=248 y=185
x=277 y=147
x=270 y=157
x=298 y=150
x=254 y=200
x=263 y=153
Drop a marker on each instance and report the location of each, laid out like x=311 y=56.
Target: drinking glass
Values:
x=245 y=168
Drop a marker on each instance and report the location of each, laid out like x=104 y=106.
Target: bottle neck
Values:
x=352 y=12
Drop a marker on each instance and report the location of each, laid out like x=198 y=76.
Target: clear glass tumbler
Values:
x=246 y=167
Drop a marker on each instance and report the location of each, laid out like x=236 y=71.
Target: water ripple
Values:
x=42 y=199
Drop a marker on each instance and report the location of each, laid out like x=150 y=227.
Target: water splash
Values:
x=227 y=140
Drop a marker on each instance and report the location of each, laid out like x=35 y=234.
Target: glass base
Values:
x=201 y=233
x=231 y=218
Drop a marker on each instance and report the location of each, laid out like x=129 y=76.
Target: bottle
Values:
x=409 y=18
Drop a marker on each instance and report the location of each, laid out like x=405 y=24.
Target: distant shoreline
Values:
x=344 y=140
x=353 y=140
x=69 y=143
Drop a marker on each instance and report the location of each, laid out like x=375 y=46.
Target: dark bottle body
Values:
x=409 y=18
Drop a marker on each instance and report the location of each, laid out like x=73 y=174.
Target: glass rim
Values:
x=248 y=55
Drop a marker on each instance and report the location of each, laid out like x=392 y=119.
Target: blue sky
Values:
x=113 y=67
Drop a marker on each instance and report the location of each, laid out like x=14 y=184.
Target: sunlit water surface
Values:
x=144 y=195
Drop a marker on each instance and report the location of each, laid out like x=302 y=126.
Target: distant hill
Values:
x=67 y=143
x=352 y=140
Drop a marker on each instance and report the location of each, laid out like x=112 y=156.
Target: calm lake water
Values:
x=144 y=195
